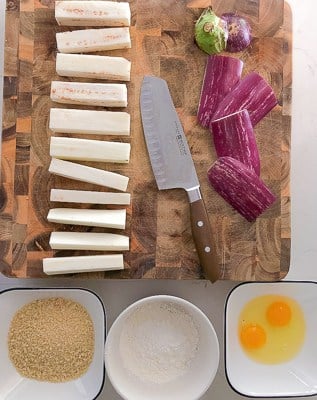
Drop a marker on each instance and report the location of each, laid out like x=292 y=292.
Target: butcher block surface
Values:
x=158 y=223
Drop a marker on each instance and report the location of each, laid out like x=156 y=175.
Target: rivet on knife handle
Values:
x=204 y=240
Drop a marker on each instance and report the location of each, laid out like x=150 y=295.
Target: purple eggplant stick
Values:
x=222 y=73
x=240 y=187
x=234 y=136
x=253 y=93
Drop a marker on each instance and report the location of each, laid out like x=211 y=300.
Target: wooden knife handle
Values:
x=204 y=240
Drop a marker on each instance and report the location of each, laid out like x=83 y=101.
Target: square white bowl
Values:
x=15 y=387
x=297 y=377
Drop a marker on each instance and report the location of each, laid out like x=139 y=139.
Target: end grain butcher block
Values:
x=161 y=244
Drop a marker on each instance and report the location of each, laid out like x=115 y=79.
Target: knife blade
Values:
x=173 y=166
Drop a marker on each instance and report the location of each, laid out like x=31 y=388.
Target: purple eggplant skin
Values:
x=222 y=73
x=239 y=32
x=234 y=136
x=240 y=187
x=253 y=93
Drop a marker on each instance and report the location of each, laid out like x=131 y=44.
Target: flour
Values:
x=158 y=342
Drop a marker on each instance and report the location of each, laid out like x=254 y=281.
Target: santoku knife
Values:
x=173 y=166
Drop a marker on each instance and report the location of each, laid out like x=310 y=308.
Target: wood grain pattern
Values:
x=158 y=222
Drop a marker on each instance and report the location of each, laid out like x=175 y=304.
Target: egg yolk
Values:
x=253 y=336
x=278 y=314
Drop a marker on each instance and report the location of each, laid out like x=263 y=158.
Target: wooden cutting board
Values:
x=158 y=222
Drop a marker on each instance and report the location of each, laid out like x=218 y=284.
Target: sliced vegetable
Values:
x=92 y=66
x=89 y=40
x=83 y=173
x=88 y=241
x=211 y=32
x=239 y=30
x=71 y=265
x=91 y=94
x=234 y=136
x=89 y=121
x=89 y=197
x=253 y=93
x=92 y=13
x=88 y=217
x=222 y=73
x=89 y=150
x=240 y=187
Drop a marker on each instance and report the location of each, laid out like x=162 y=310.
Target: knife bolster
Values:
x=194 y=194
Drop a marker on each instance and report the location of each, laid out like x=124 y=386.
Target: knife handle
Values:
x=204 y=240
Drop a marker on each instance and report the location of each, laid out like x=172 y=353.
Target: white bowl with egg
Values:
x=162 y=348
x=88 y=384
x=270 y=339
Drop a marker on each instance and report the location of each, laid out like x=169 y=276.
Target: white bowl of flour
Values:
x=162 y=348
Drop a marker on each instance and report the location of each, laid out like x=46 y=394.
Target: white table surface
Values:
x=210 y=298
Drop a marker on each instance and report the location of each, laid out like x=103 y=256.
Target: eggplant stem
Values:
x=208 y=27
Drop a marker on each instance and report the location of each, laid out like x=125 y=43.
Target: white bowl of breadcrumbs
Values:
x=51 y=344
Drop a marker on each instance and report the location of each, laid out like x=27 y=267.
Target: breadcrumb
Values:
x=51 y=340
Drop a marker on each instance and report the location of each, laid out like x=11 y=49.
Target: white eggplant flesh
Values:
x=92 y=13
x=90 y=94
x=91 y=40
x=87 y=217
x=64 y=120
x=83 y=173
x=78 y=264
x=89 y=197
x=93 y=66
x=88 y=241
x=89 y=150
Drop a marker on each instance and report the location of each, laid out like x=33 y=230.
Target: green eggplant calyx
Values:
x=211 y=33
